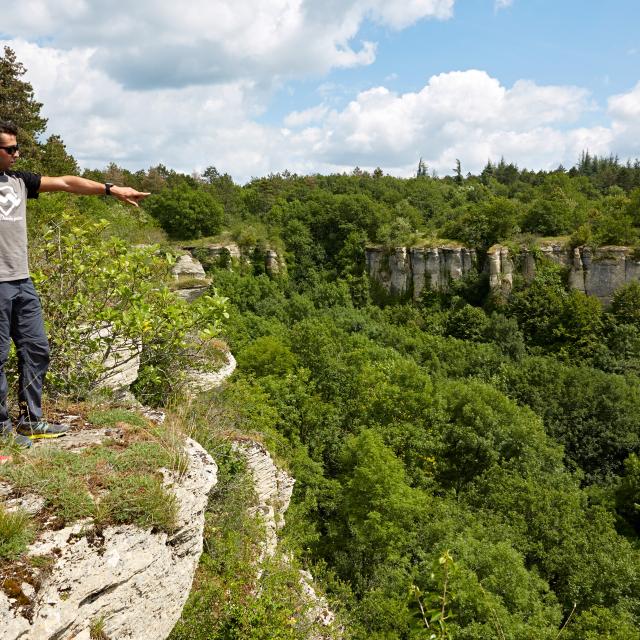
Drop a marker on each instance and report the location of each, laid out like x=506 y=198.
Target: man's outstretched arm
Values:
x=83 y=187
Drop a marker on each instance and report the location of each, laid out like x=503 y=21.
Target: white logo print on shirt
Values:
x=9 y=201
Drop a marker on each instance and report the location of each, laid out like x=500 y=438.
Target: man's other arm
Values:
x=83 y=187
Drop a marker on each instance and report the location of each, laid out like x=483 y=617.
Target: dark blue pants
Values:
x=21 y=321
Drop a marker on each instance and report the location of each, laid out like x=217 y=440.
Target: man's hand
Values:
x=83 y=187
x=127 y=194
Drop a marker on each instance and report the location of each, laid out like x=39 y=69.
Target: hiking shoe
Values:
x=41 y=429
x=9 y=436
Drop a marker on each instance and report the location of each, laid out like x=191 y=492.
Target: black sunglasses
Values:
x=12 y=149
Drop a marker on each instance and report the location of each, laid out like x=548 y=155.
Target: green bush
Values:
x=625 y=305
x=628 y=493
x=105 y=303
x=185 y=212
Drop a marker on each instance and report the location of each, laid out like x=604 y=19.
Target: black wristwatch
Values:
x=107 y=188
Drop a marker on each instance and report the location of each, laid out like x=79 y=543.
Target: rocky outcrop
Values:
x=187 y=266
x=133 y=580
x=500 y=268
x=273 y=488
x=436 y=267
x=597 y=272
x=272 y=263
x=225 y=255
x=191 y=280
x=215 y=254
x=405 y=270
x=200 y=381
x=391 y=269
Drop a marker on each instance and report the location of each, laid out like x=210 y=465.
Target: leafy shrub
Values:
x=185 y=212
x=628 y=493
x=467 y=323
x=105 y=303
x=625 y=305
x=267 y=356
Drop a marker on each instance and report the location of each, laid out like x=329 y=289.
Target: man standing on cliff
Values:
x=20 y=311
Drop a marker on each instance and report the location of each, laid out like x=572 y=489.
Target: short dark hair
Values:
x=6 y=126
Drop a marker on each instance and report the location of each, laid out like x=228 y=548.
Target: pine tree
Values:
x=458 y=172
x=18 y=104
x=55 y=159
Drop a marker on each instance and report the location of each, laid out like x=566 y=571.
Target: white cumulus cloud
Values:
x=151 y=44
x=468 y=115
x=624 y=110
x=461 y=114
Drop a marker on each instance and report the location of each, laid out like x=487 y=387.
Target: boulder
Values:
x=187 y=266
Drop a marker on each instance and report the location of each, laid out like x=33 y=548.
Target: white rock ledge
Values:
x=201 y=381
x=134 y=580
x=274 y=488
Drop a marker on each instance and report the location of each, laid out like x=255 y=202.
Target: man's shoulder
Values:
x=27 y=176
x=31 y=181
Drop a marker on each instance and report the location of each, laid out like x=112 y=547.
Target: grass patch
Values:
x=96 y=629
x=117 y=484
x=138 y=499
x=16 y=533
x=112 y=417
x=189 y=283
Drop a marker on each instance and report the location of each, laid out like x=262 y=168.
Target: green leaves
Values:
x=186 y=212
x=106 y=303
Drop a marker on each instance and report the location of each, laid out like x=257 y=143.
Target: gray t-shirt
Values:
x=15 y=188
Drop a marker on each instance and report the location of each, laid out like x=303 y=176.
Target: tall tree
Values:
x=17 y=103
x=56 y=161
x=458 y=172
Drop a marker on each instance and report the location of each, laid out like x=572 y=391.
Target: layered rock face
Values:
x=499 y=266
x=409 y=270
x=227 y=254
x=135 y=580
x=274 y=487
x=597 y=272
x=187 y=267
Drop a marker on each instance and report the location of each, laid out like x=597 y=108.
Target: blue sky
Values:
x=254 y=87
x=585 y=43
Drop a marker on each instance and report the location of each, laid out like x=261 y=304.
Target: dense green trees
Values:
x=186 y=213
x=428 y=447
